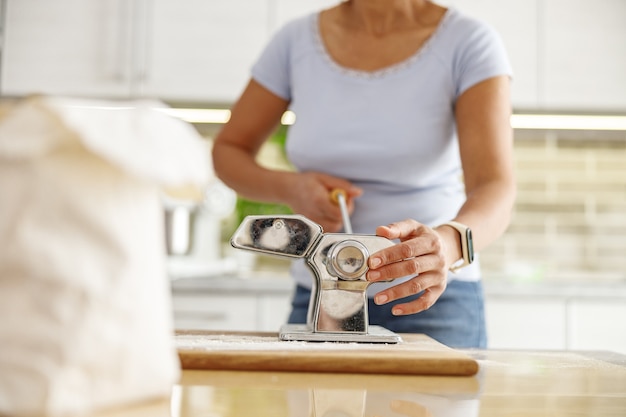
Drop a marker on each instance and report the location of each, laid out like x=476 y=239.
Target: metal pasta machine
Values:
x=338 y=306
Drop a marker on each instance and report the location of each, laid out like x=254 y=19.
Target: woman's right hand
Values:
x=310 y=196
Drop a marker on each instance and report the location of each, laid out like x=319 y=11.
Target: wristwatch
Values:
x=467 y=246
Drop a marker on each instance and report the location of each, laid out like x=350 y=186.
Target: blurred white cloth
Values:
x=85 y=304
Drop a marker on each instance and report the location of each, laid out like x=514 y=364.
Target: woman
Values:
x=405 y=105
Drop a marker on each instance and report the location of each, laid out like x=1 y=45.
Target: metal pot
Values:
x=179 y=219
x=192 y=227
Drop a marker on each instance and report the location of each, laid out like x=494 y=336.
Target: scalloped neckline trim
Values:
x=382 y=72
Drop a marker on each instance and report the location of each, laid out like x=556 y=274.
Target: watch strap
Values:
x=466 y=245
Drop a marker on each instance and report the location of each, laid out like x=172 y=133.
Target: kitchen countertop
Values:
x=553 y=289
x=243 y=282
x=268 y=275
x=278 y=281
x=519 y=383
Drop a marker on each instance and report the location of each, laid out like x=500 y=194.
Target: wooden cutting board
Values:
x=418 y=354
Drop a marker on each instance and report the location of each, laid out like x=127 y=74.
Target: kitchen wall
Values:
x=569 y=222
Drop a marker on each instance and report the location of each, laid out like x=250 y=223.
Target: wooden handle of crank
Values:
x=339 y=197
x=334 y=195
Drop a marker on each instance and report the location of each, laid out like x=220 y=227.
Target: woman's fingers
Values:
x=412 y=266
x=402 y=230
x=420 y=255
x=430 y=284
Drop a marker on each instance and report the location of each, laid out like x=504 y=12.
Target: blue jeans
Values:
x=457 y=319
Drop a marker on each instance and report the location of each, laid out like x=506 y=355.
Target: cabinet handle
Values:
x=129 y=51
x=209 y=316
x=117 y=51
x=141 y=24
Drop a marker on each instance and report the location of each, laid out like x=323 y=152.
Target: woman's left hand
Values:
x=420 y=254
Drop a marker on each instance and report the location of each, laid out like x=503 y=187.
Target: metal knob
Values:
x=348 y=260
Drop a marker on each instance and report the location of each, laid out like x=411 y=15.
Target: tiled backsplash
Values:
x=569 y=221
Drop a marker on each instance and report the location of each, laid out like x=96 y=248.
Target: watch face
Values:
x=470 y=245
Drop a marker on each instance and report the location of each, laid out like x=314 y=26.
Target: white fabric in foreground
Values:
x=85 y=308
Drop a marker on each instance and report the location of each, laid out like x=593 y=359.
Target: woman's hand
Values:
x=421 y=253
x=310 y=196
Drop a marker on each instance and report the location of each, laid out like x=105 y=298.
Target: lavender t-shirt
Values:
x=392 y=131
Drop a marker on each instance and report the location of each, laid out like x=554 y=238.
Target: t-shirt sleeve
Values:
x=481 y=55
x=271 y=69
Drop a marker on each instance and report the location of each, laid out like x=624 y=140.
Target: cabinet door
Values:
x=215 y=312
x=274 y=311
x=202 y=50
x=516 y=22
x=525 y=323
x=583 y=54
x=68 y=47
x=597 y=325
x=286 y=10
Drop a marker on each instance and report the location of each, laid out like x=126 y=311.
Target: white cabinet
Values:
x=535 y=319
x=520 y=323
x=274 y=311
x=211 y=312
x=597 y=325
x=196 y=50
x=285 y=10
x=202 y=50
x=566 y=54
x=234 y=310
x=516 y=22
x=68 y=47
x=583 y=54
x=191 y=51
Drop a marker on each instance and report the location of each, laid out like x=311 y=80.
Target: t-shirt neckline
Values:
x=382 y=72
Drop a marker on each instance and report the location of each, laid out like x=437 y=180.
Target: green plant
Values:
x=246 y=207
